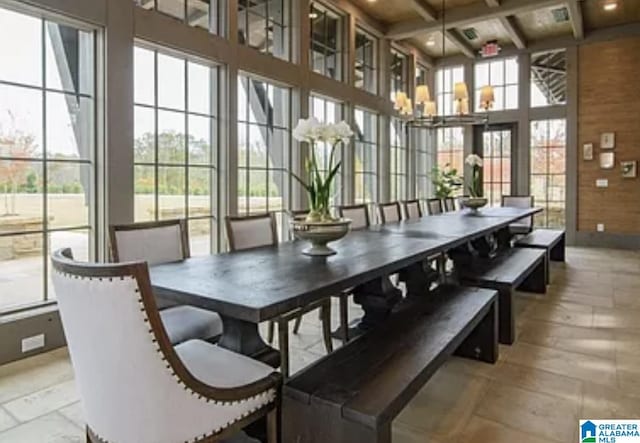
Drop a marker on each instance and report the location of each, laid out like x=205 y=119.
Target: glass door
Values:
x=497 y=151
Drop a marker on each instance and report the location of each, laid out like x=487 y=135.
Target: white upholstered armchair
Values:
x=134 y=385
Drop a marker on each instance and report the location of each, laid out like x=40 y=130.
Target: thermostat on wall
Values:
x=602 y=183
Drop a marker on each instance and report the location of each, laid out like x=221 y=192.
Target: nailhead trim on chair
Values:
x=268 y=395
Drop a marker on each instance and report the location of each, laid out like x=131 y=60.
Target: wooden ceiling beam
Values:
x=467 y=15
x=426 y=11
x=513 y=30
x=454 y=37
x=510 y=26
x=577 y=20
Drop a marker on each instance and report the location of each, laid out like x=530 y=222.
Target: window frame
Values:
x=328 y=13
x=286 y=27
x=212 y=167
x=372 y=66
x=444 y=95
x=216 y=22
x=399 y=169
x=95 y=226
x=367 y=170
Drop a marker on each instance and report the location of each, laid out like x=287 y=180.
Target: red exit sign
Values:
x=490 y=49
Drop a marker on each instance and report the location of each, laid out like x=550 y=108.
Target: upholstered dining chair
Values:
x=434 y=206
x=259 y=230
x=134 y=385
x=358 y=214
x=389 y=212
x=449 y=204
x=412 y=209
x=164 y=242
x=524 y=226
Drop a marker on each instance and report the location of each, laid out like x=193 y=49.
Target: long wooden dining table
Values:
x=253 y=286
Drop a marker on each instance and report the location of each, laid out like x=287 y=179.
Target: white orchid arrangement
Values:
x=476 y=163
x=318 y=185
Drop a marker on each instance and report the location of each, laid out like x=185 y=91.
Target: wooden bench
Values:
x=353 y=395
x=551 y=240
x=519 y=268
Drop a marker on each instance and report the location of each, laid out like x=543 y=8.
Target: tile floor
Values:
x=577 y=356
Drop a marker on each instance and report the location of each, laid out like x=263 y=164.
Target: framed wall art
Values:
x=608 y=140
x=607 y=160
x=629 y=169
x=587 y=151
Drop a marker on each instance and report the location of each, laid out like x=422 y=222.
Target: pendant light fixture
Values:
x=425 y=113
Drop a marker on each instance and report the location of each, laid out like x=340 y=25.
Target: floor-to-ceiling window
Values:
x=325 y=54
x=548 y=170
x=422 y=140
x=366 y=157
x=206 y=14
x=496 y=171
x=399 y=165
x=48 y=151
x=176 y=143
x=366 y=59
x=329 y=111
x=446 y=79
x=263 y=146
x=265 y=25
x=503 y=76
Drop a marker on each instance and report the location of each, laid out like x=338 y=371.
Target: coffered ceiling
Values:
x=471 y=23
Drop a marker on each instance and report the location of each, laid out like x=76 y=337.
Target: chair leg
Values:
x=273 y=430
x=344 y=318
x=325 y=312
x=270 y=333
x=283 y=344
x=296 y=325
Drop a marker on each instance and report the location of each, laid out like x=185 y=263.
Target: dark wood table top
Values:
x=263 y=283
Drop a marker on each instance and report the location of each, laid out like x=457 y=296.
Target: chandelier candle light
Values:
x=320 y=227
x=475 y=200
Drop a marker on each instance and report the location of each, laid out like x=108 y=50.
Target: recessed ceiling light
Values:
x=431 y=42
x=610 y=6
x=313 y=15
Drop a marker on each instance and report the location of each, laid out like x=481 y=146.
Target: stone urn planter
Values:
x=474 y=203
x=320 y=234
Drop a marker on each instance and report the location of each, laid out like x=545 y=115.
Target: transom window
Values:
x=264 y=25
x=326 y=41
x=263 y=146
x=328 y=111
x=549 y=78
x=366 y=157
x=446 y=78
x=366 y=61
x=399 y=173
x=548 y=171
x=503 y=76
x=176 y=144
x=47 y=151
x=421 y=76
x=398 y=73
x=206 y=14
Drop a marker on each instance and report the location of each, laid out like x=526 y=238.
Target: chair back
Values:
x=132 y=384
x=449 y=204
x=389 y=212
x=412 y=209
x=252 y=231
x=519 y=201
x=434 y=206
x=358 y=214
x=154 y=242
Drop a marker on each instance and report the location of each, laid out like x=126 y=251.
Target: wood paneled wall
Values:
x=609 y=101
